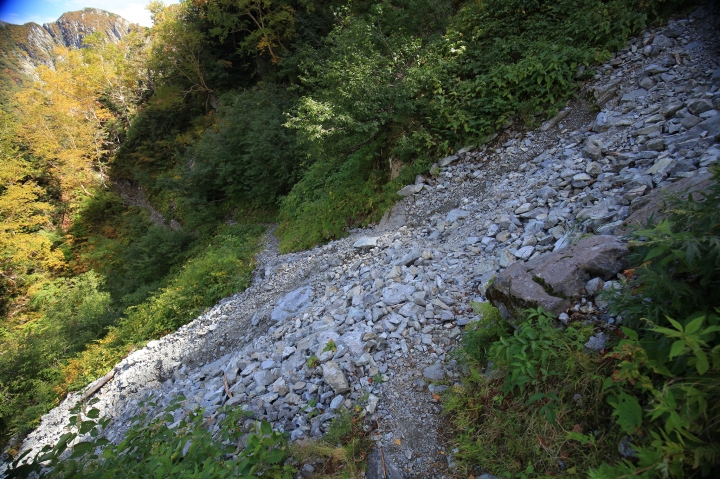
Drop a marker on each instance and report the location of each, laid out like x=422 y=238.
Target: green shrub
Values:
x=666 y=388
x=480 y=335
x=162 y=447
x=153 y=255
x=517 y=418
x=72 y=313
x=80 y=332
x=677 y=262
x=378 y=93
x=330 y=199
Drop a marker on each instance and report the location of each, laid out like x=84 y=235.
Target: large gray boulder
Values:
x=552 y=280
x=292 y=303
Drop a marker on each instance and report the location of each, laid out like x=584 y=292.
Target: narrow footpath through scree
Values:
x=396 y=298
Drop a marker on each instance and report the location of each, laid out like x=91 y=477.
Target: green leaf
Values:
x=677 y=348
x=630 y=333
x=86 y=426
x=274 y=456
x=93 y=413
x=694 y=325
x=677 y=325
x=535 y=397
x=701 y=363
x=655 y=252
x=81 y=448
x=628 y=412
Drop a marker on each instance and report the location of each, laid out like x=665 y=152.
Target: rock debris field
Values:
x=394 y=299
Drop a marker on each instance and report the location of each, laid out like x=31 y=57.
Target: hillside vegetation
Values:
x=228 y=115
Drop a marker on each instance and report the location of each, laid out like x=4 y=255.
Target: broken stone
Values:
x=334 y=376
x=292 y=303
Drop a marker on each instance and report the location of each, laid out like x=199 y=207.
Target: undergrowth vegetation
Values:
x=87 y=323
x=519 y=415
x=534 y=403
x=191 y=448
x=342 y=452
x=386 y=90
x=192 y=445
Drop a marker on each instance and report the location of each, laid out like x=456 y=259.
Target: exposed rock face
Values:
x=550 y=281
x=25 y=47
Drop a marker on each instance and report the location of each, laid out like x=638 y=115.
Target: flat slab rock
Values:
x=552 y=280
x=292 y=303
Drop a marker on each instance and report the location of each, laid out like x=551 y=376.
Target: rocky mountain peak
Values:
x=72 y=27
x=25 y=47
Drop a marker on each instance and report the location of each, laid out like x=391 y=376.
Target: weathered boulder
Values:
x=550 y=281
x=410 y=190
x=292 y=303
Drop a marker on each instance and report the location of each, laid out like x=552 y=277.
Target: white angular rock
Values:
x=397 y=293
x=334 y=376
x=292 y=303
x=366 y=242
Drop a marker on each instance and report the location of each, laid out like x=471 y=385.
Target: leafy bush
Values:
x=378 y=93
x=79 y=332
x=539 y=391
x=164 y=447
x=677 y=263
x=665 y=387
x=151 y=257
x=333 y=197
x=676 y=432
x=72 y=313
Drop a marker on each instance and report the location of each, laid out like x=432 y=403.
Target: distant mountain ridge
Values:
x=24 y=47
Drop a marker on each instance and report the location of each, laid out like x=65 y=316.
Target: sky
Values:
x=45 y=11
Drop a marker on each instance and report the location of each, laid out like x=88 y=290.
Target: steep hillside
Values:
x=24 y=47
x=371 y=322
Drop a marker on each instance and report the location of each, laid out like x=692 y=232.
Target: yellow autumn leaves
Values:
x=63 y=115
x=59 y=132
